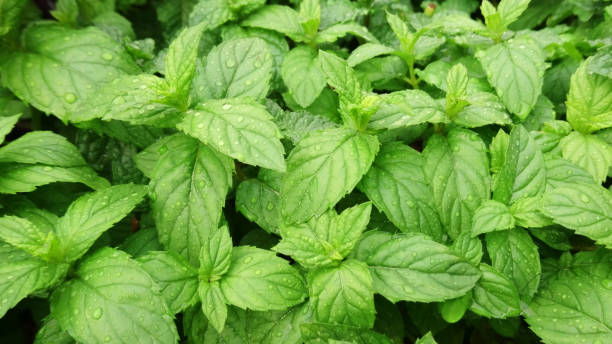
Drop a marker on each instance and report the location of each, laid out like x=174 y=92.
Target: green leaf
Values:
x=589 y=152
x=494 y=295
x=324 y=240
x=11 y=13
x=456 y=89
x=295 y=125
x=188 y=190
x=211 y=14
x=585 y=208
x=314 y=333
x=94 y=213
x=457 y=168
x=510 y=10
x=279 y=18
x=589 y=101
x=42 y=147
x=240 y=128
x=397 y=185
x=215 y=255
x=484 y=108
x=321 y=169
x=367 y=51
x=516 y=70
x=491 y=216
x=45 y=74
x=342 y=294
x=236 y=68
x=24 y=178
x=573 y=307
x=426 y=339
x=405 y=108
x=302 y=75
x=23 y=234
x=526 y=213
x=523 y=173
x=138 y=99
x=333 y=33
x=310 y=17
x=141 y=242
x=468 y=247
x=177 y=279
x=498 y=149
x=259 y=202
x=259 y=280
x=453 y=310
x=51 y=333
x=181 y=60
x=561 y=172
x=112 y=299
x=412 y=267
x=213 y=304
x=6 y=125
x=514 y=254
x=340 y=76
x=22 y=274
x=601 y=63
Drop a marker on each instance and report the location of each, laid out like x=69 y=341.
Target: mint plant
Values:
x=313 y=171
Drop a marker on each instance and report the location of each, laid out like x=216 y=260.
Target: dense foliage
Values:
x=305 y=171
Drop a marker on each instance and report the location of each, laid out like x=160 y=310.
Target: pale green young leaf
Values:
x=333 y=33
x=188 y=190
x=589 y=101
x=315 y=333
x=236 y=68
x=527 y=214
x=523 y=173
x=514 y=254
x=397 y=185
x=491 y=216
x=278 y=18
x=211 y=14
x=342 y=294
x=16 y=178
x=213 y=304
x=589 y=152
x=428 y=338
x=457 y=168
x=456 y=83
x=498 y=149
x=326 y=239
x=138 y=99
x=6 y=125
x=240 y=128
x=176 y=278
x=484 y=108
x=340 y=76
x=367 y=51
x=51 y=333
x=321 y=169
x=303 y=75
x=585 y=208
x=111 y=299
x=42 y=147
x=45 y=75
x=92 y=214
x=510 y=10
x=412 y=267
x=66 y=11
x=406 y=108
x=494 y=295
x=310 y=17
x=216 y=254
x=259 y=280
x=601 y=63
x=400 y=28
x=573 y=307
x=453 y=310
x=22 y=274
x=23 y=234
x=181 y=60
x=468 y=247
x=516 y=70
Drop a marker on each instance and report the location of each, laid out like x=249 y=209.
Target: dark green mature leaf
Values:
x=188 y=178
x=11 y=10
x=523 y=173
x=303 y=75
x=514 y=254
x=457 y=168
x=342 y=294
x=240 y=128
x=332 y=333
x=92 y=214
x=321 y=169
x=412 y=267
x=42 y=147
x=397 y=185
x=177 y=279
x=585 y=208
x=112 y=299
x=51 y=332
x=16 y=178
x=259 y=280
x=516 y=70
x=324 y=240
x=22 y=274
x=45 y=74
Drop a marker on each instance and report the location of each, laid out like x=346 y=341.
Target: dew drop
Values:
x=107 y=56
x=69 y=97
x=97 y=313
x=230 y=63
x=584 y=198
x=226 y=106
